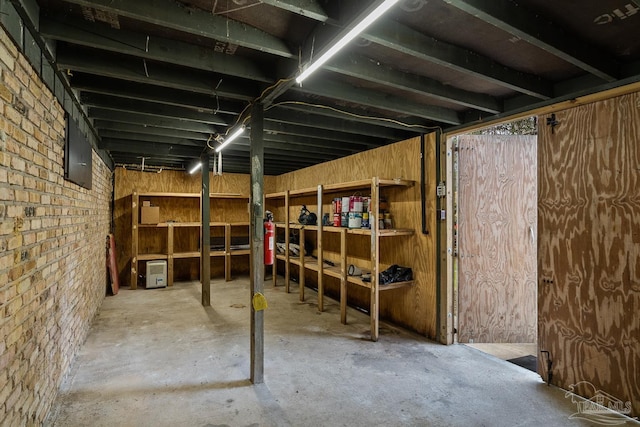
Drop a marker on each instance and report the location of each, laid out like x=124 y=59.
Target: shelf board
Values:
x=332 y=229
x=217 y=253
x=396 y=285
x=396 y=232
x=184 y=224
x=239 y=224
x=396 y=182
x=381 y=288
x=217 y=224
x=356 y=280
x=382 y=233
x=360 y=231
x=239 y=251
x=304 y=192
x=347 y=186
x=279 y=195
x=281 y=257
x=158 y=225
x=333 y=271
x=194 y=195
x=179 y=255
x=280 y=224
x=151 y=257
x=311 y=263
x=228 y=196
x=365 y=184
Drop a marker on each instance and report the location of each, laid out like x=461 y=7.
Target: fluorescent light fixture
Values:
x=231 y=137
x=195 y=168
x=362 y=25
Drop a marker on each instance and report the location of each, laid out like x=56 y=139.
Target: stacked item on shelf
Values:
x=354 y=212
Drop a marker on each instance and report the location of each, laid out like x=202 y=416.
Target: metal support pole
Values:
x=205 y=235
x=257 y=241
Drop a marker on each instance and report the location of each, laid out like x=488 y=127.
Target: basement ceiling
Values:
x=162 y=79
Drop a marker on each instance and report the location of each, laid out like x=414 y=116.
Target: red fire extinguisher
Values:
x=269 y=239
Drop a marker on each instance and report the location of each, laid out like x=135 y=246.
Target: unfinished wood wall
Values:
x=126 y=181
x=589 y=247
x=413 y=307
x=497 y=238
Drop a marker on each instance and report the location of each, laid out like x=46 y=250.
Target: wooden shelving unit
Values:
x=183 y=220
x=339 y=269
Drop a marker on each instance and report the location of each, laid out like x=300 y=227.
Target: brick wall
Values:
x=52 y=245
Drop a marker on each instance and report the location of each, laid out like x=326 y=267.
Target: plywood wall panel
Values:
x=589 y=247
x=413 y=307
x=497 y=236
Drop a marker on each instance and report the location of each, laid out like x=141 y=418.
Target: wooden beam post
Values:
x=205 y=234
x=257 y=241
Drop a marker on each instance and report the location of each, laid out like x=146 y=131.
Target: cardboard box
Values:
x=149 y=214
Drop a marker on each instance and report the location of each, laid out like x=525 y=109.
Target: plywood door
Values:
x=589 y=250
x=497 y=239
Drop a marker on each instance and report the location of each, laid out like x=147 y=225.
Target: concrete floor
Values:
x=158 y=358
x=506 y=351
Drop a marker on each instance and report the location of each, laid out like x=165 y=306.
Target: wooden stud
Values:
x=343 y=276
x=287 y=264
x=227 y=252
x=170 y=254
x=205 y=234
x=447 y=310
x=320 y=253
x=134 y=239
x=375 y=257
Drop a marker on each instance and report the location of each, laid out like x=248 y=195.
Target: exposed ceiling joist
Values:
x=538 y=31
x=170 y=14
x=153 y=73
x=365 y=69
x=403 y=39
x=322 y=134
x=135 y=137
x=296 y=150
x=329 y=123
x=107 y=126
x=151 y=108
x=348 y=93
x=309 y=8
x=296 y=102
x=158 y=148
x=150 y=120
x=153 y=48
x=163 y=95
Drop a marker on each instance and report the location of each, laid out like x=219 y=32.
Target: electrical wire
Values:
x=224 y=12
x=244 y=120
x=348 y=113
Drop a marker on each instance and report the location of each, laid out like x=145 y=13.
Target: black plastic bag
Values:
x=395 y=274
